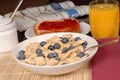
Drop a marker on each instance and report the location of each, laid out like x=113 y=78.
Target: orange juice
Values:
x=104 y=20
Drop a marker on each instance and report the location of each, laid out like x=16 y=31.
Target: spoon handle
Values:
x=14 y=12
x=103 y=44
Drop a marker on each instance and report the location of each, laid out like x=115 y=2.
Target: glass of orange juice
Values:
x=104 y=18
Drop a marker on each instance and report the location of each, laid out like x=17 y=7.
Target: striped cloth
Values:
x=54 y=11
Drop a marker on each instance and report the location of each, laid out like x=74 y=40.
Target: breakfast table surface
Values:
x=96 y=69
x=11 y=70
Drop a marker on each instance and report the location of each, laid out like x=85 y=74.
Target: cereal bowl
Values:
x=57 y=69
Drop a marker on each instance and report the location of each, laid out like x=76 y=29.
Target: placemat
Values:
x=11 y=70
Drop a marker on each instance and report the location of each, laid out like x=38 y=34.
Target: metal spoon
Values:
x=103 y=44
x=14 y=12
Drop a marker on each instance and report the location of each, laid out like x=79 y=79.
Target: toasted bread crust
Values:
x=39 y=32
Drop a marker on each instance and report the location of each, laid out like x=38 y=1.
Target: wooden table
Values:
x=11 y=70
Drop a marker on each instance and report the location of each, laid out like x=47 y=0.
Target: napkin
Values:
x=60 y=6
x=106 y=62
x=67 y=9
x=71 y=12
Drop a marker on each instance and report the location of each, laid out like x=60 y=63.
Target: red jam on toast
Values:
x=66 y=25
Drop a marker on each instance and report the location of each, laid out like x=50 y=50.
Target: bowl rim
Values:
x=56 y=66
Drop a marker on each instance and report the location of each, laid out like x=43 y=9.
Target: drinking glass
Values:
x=104 y=18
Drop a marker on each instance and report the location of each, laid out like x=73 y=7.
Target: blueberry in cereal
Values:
x=43 y=43
x=65 y=49
x=57 y=50
x=65 y=40
x=57 y=45
x=55 y=54
x=81 y=54
x=38 y=51
x=84 y=44
x=71 y=47
x=57 y=58
x=77 y=38
x=21 y=57
x=40 y=55
x=50 y=55
x=51 y=47
x=21 y=52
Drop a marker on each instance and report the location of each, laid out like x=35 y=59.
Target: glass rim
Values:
x=104 y=2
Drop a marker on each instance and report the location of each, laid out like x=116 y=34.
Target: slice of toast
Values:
x=66 y=25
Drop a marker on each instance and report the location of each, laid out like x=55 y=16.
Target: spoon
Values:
x=14 y=12
x=103 y=44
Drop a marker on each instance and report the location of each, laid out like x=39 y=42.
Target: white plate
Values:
x=84 y=27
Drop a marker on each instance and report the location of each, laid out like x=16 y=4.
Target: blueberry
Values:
x=40 y=55
x=21 y=52
x=50 y=55
x=81 y=54
x=71 y=47
x=51 y=47
x=65 y=40
x=65 y=49
x=55 y=54
x=21 y=57
x=77 y=38
x=43 y=43
x=57 y=45
x=84 y=44
x=38 y=50
x=57 y=58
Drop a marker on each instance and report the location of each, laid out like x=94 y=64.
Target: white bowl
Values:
x=59 y=69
